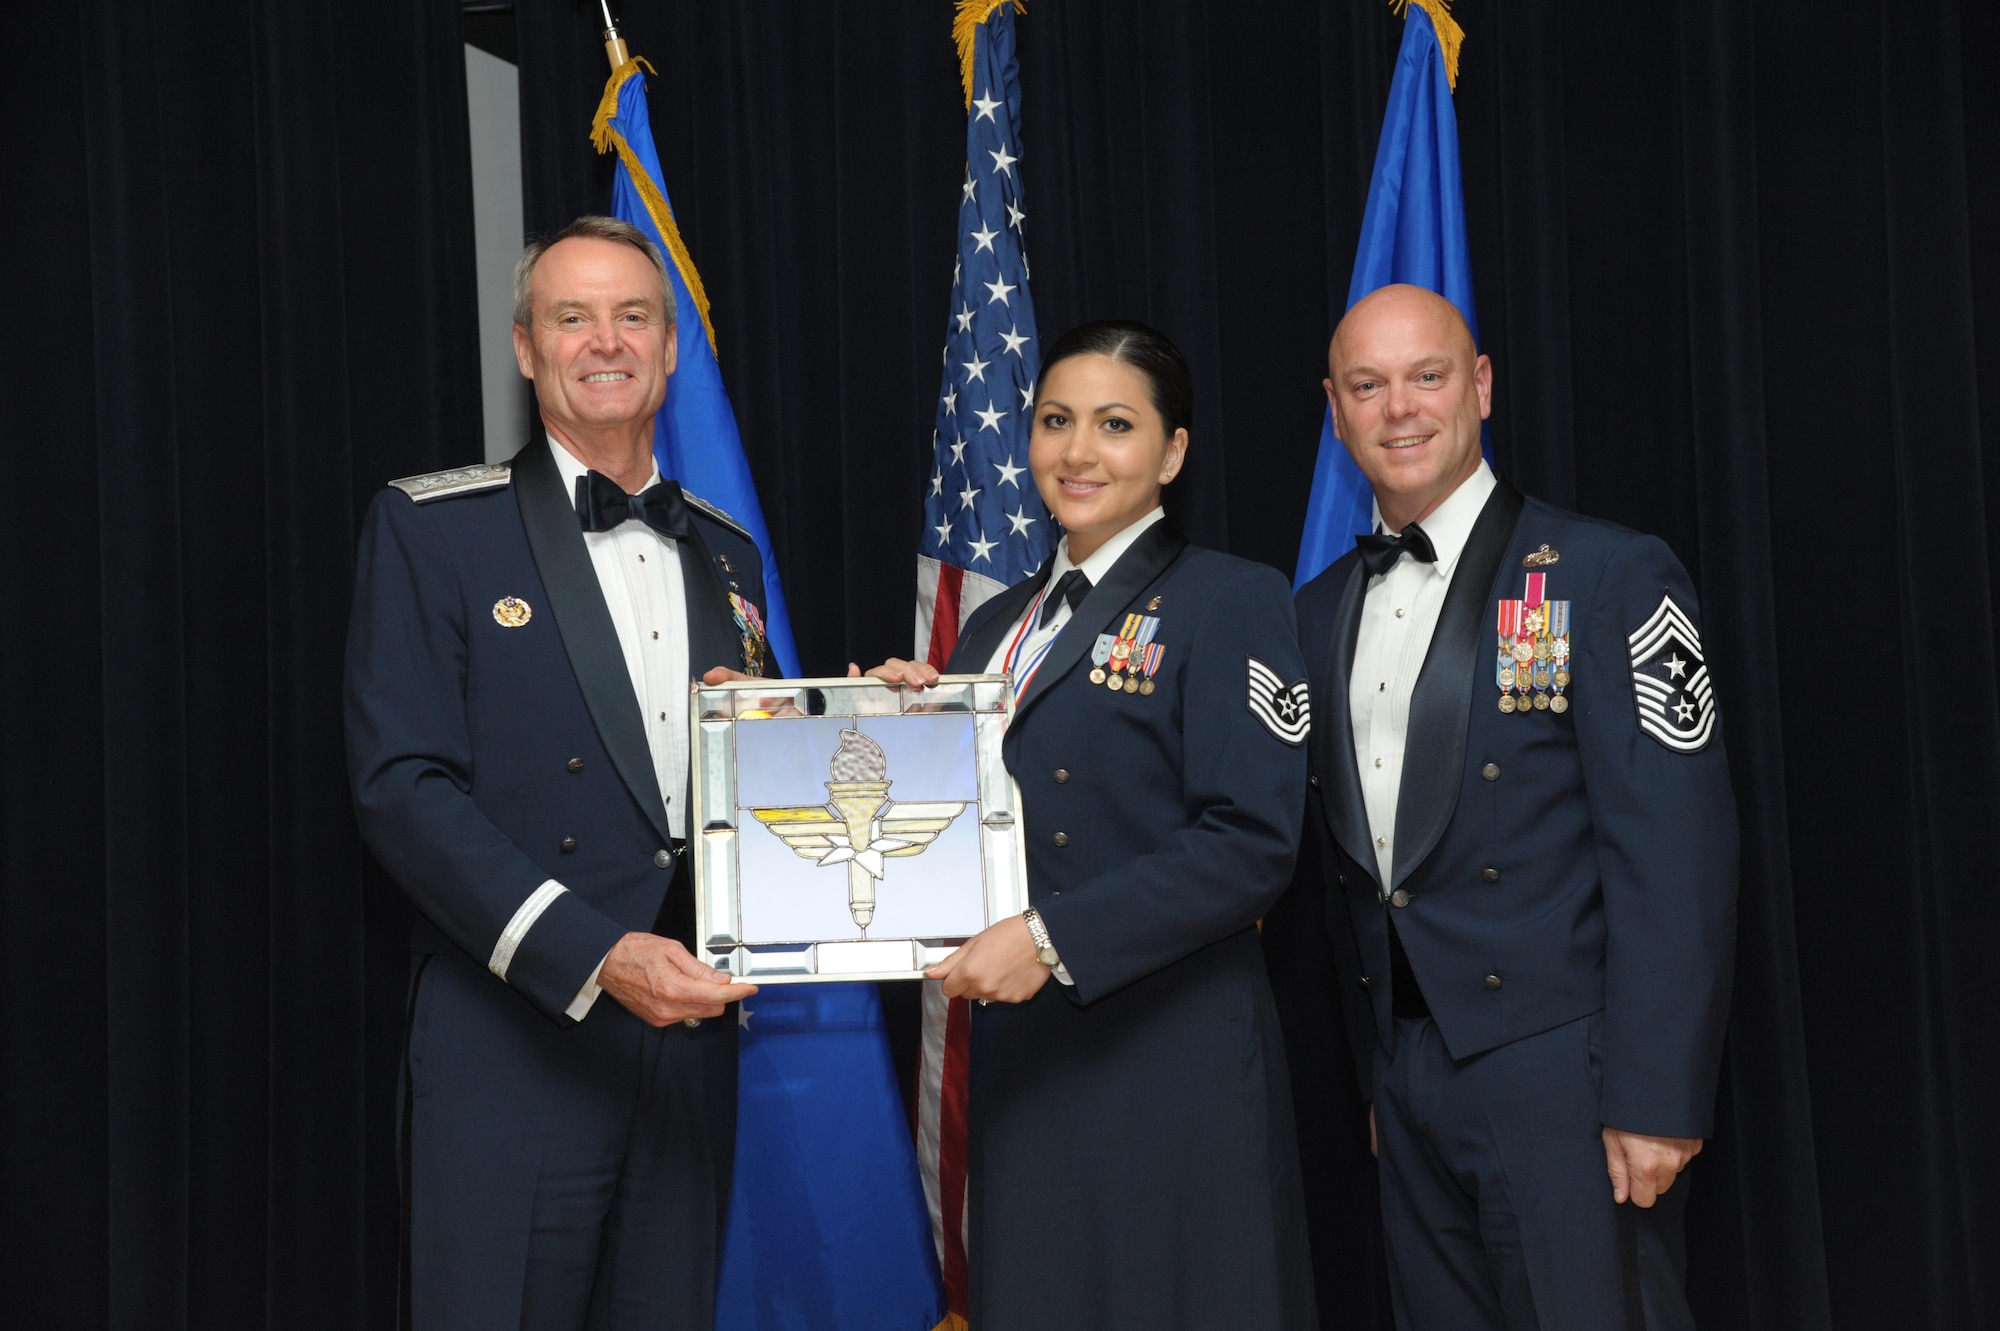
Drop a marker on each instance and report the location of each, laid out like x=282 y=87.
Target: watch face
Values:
x=1047 y=956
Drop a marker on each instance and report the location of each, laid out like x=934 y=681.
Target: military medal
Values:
x=1535 y=638
x=1509 y=626
x=1532 y=668
x=750 y=624
x=1559 y=654
x=1142 y=641
x=1098 y=656
x=1149 y=665
x=1123 y=652
x=511 y=612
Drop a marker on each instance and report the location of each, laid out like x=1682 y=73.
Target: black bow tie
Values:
x=601 y=504
x=1070 y=588
x=1379 y=553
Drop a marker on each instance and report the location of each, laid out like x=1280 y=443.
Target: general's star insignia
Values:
x=1284 y=708
x=1670 y=683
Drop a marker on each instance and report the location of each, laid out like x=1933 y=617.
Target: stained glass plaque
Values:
x=848 y=829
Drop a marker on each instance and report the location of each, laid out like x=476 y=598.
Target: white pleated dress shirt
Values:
x=639 y=572
x=1398 y=617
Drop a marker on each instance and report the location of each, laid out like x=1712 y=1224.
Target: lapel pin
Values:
x=1541 y=558
x=511 y=612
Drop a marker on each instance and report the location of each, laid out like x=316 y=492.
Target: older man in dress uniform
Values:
x=522 y=643
x=1528 y=855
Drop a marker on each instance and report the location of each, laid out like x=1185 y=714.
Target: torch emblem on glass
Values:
x=859 y=826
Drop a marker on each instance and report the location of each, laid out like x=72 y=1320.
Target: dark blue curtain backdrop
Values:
x=1735 y=267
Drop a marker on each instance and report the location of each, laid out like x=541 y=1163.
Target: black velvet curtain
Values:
x=238 y=267
x=1734 y=266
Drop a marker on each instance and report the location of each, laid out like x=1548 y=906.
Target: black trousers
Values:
x=1496 y=1201
x=561 y=1178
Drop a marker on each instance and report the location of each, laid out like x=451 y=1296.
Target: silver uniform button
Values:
x=690 y=1022
x=1399 y=898
x=662 y=858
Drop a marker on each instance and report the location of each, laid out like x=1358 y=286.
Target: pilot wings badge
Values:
x=1670 y=680
x=859 y=826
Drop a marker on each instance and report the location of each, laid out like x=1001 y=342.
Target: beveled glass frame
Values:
x=782 y=954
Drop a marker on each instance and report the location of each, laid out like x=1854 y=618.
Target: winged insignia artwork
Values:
x=859 y=826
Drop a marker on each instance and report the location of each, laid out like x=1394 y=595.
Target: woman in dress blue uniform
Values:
x=1132 y=1154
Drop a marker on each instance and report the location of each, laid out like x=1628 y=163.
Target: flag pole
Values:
x=614 y=45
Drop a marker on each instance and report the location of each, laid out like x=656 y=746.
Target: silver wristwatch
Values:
x=1045 y=951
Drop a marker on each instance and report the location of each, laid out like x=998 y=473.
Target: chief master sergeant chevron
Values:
x=518 y=667
x=1527 y=845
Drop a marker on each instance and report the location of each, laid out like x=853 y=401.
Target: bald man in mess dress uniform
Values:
x=1526 y=842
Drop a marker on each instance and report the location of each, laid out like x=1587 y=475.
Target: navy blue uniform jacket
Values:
x=1133 y=1161
x=485 y=758
x=1551 y=865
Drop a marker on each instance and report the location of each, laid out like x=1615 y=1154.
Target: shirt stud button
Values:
x=1399 y=612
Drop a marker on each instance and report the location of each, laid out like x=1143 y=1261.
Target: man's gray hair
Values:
x=588 y=227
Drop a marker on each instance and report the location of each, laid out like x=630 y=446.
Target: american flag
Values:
x=984 y=523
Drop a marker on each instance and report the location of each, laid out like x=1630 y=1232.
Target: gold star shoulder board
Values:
x=456 y=481
x=717 y=514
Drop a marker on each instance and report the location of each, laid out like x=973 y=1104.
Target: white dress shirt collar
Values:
x=1450 y=524
x=1100 y=560
x=570 y=468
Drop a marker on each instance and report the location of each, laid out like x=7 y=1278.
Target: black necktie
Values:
x=1379 y=552
x=601 y=504
x=1070 y=588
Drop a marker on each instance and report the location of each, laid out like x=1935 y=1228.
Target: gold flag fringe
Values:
x=1450 y=36
x=972 y=13
x=951 y=1322
x=605 y=138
